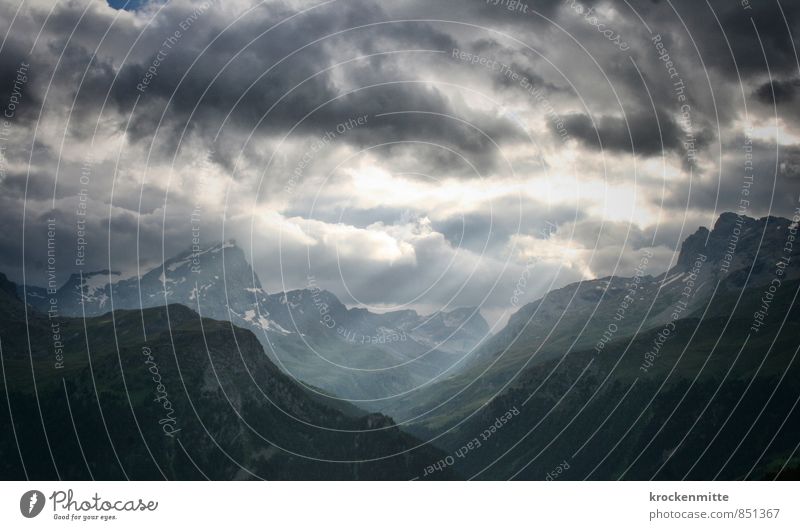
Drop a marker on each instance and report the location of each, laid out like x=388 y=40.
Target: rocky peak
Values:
x=741 y=233
x=692 y=246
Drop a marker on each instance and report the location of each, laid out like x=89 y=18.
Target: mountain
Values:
x=588 y=315
x=164 y=393
x=577 y=316
x=690 y=373
x=695 y=380
x=720 y=401
x=343 y=352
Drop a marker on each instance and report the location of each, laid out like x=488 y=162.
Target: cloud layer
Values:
x=405 y=153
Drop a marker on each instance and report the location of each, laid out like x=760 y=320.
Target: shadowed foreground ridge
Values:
x=208 y=420
x=693 y=387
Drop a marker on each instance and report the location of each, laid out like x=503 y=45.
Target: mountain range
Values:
x=697 y=380
x=588 y=314
x=688 y=373
x=349 y=353
x=163 y=393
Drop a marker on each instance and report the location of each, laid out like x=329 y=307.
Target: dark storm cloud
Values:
x=217 y=89
x=738 y=25
x=700 y=52
x=19 y=88
x=778 y=92
x=640 y=133
x=512 y=60
x=202 y=95
x=89 y=80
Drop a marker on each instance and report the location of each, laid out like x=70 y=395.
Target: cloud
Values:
x=459 y=172
x=629 y=134
x=778 y=92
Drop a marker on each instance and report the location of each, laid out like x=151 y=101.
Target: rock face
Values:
x=339 y=351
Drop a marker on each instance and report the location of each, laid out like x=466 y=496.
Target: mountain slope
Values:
x=586 y=315
x=720 y=401
x=196 y=398
x=337 y=351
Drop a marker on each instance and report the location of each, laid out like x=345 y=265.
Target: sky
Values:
x=406 y=154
